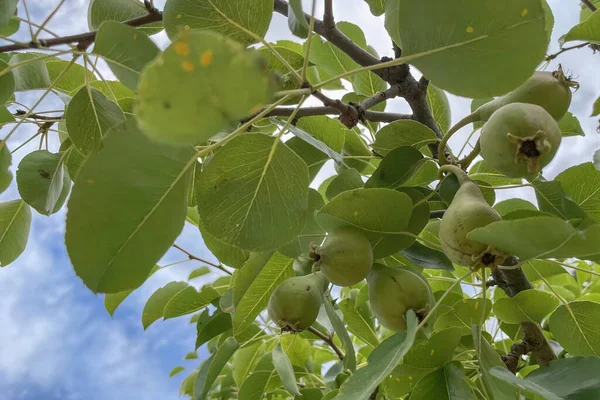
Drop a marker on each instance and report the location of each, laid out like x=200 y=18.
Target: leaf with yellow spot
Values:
x=201 y=85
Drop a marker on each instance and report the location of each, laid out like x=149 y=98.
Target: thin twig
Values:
x=327 y=340
x=553 y=56
x=22 y=113
x=348 y=114
x=193 y=257
x=589 y=5
x=84 y=39
x=373 y=116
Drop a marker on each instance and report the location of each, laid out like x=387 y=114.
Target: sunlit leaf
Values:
x=574 y=327
x=145 y=190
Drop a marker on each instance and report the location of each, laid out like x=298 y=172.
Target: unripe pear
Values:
x=295 y=303
x=468 y=211
x=394 y=291
x=345 y=257
x=519 y=140
x=549 y=90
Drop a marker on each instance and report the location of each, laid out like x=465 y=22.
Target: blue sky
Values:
x=56 y=339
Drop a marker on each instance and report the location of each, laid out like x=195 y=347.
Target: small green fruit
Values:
x=468 y=211
x=519 y=140
x=549 y=90
x=295 y=303
x=345 y=257
x=394 y=291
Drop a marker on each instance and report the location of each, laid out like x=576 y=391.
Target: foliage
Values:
x=214 y=130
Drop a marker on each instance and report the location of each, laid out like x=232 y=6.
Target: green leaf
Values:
x=126 y=50
x=31 y=75
x=244 y=359
x=187 y=386
x=43 y=181
x=211 y=368
x=354 y=145
x=7 y=9
x=488 y=359
x=326 y=130
x=298 y=26
x=221 y=16
x=403 y=380
x=596 y=109
x=570 y=126
x=317 y=144
x=377 y=7
x=445 y=383
x=255 y=385
x=522 y=238
x=301 y=244
x=209 y=326
x=553 y=199
x=229 y=255
x=198 y=272
x=381 y=362
x=15 y=222
x=113 y=300
x=117 y=92
x=255 y=299
x=313 y=157
x=453 y=42
x=597 y=160
x=424 y=175
x=569 y=378
x=189 y=300
x=5 y=163
x=587 y=31
x=482 y=171
x=574 y=328
x=145 y=190
x=385 y=225
x=525 y=386
x=463 y=314
x=340 y=330
x=403 y=133
x=192 y=355
x=440 y=107
x=506 y=206
x=527 y=306
x=7 y=83
x=72 y=79
x=581 y=182
x=357 y=324
x=154 y=308
x=90 y=115
x=119 y=10
x=284 y=368
x=396 y=168
x=243 y=277
x=178 y=99
x=348 y=179
x=435 y=351
x=12 y=27
x=176 y=370
x=260 y=206
x=426 y=257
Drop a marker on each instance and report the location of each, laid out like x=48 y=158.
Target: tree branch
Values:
x=513 y=281
x=193 y=257
x=589 y=5
x=328 y=20
x=83 y=39
x=348 y=114
x=393 y=91
x=327 y=340
x=21 y=113
x=578 y=46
